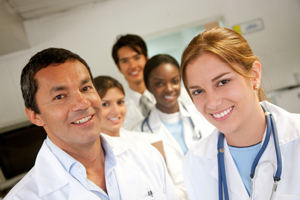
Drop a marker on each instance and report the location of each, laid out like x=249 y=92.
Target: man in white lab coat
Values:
x=76 y=161
x=130 y=55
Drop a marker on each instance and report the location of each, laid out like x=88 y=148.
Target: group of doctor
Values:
x=231 y=144
x=222 y=76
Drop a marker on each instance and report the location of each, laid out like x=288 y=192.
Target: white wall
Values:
x=90 y=31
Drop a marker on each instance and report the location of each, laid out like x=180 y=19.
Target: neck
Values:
x=138 y=87
x=93 y=159
x=168 y=110
x=250 y=132
x=111 y=133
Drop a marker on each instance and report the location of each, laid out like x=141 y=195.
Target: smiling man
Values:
x=130 y=55
x=76 y=161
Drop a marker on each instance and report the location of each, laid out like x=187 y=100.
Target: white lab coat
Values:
x=173 y=152
x=139 y=166
x=200 y=169
x=134 y=112
x=147 y=137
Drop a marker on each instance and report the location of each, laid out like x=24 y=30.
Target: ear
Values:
x=256 y=72
x=34 y=117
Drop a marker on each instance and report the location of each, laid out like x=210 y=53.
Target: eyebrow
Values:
x=219 y=76
x=214 y=79
x=125 y=58
x=62 y=87
x=157 y=78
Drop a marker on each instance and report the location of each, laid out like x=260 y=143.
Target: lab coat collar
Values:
x=127 y=173
x=268 y=161
x=284 y=120
x=49 y=177
x=155 y=121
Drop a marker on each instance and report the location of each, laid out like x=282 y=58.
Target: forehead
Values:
x=113 y=93
x=127 y=51
x=69 y=72
x=164 y=69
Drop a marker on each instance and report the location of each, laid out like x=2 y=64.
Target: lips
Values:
x=222 y=114
x=134 y=73
x=83 y=120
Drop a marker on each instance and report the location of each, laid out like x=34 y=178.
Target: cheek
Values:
x=124 y=110
x=105 y=111
x=199 y=105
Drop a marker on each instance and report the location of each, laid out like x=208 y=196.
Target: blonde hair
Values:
x=228 y=45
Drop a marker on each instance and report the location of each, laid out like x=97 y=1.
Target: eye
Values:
x=121 y=102
x=176 y=81
x=105 y=104
x=159 y=84
x=223 y=82
x=123 y=61
x=86 y=88
x=137 y=57
x=60 y=96
x=196 y=92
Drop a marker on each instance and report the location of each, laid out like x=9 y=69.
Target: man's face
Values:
x=131 y=64
x=70 y=107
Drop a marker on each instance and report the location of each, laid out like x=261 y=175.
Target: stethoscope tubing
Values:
x=146 y=120
x=271 y=127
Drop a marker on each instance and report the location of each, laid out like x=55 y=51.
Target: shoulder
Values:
x=147 y=137
x=132 y=146
x=25 y=187
x=288 y=126
x=205 y=148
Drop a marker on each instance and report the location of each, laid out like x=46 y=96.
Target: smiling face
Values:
x=225 y=98
x=113 y=111
x=131 y=65
x=164 y=84
x=70 y=107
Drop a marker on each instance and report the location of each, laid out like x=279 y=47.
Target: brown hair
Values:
x=228 y=45
x=104 y=83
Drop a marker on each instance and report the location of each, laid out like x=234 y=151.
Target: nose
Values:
x=132 y=63
x=114 y=109
x=213 y=100
x=169 y=87
x=80 y=102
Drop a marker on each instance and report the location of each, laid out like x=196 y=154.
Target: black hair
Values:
x=42 y=59
x=154 y=62
x=132 y=41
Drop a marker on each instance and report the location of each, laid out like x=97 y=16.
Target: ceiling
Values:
x=13 y=12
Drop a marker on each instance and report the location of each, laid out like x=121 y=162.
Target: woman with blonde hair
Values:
x=254 y=150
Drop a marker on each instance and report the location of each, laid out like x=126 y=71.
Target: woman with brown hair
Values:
x=244 y=156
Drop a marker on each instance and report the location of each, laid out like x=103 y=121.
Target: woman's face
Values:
x=224 y=97
x=113 y=111
x=164 y=84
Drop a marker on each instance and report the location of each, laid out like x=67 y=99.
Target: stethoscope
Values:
x=271 y=127
x=197 y=135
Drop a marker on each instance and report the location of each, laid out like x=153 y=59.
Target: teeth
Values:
x=113 y=119
x=134 y=73
x=83 y=120
x=222 y=114
x=169 y=97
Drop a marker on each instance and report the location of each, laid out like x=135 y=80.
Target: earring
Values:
x=256 y=87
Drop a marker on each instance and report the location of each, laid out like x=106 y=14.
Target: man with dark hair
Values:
x=76 y=161
x=130 y=55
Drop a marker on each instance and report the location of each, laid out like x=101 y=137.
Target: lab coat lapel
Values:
x=163 y=132
x=50 y=175
x=127 y=174
x=128 y=180
x=235 y=184
x=234 y=180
